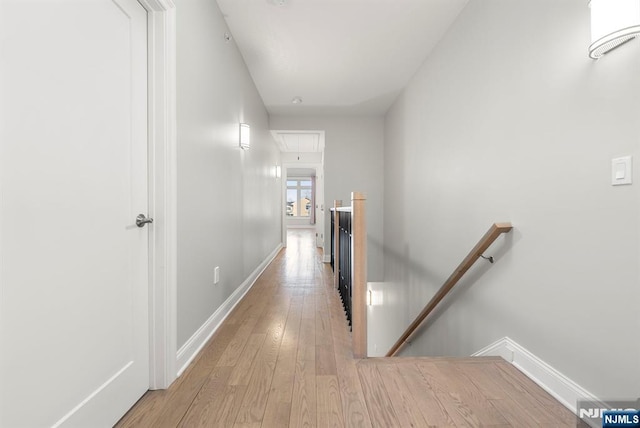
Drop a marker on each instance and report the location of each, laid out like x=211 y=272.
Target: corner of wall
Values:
x=563 y=389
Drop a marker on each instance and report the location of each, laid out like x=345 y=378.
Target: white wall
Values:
x=352 y=162
x=509 y=120
x=229 y=201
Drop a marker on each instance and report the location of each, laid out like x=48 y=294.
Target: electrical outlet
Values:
x=216 y=275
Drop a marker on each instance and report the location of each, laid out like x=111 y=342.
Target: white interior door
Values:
x=73 y=177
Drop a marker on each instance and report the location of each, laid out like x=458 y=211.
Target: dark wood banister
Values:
x=494 y=231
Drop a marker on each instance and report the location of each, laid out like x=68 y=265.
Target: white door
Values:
x=73 y=177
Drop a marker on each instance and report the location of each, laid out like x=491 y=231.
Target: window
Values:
x=298 y=197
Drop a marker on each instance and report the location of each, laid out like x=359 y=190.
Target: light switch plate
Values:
x=216 y=275
x=621 y=171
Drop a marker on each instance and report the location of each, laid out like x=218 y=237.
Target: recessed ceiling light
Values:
x=296 y=100
x=280 y=3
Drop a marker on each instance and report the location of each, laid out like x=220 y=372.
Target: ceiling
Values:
x=339 y=56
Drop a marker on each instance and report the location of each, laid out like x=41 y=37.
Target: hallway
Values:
x=283 y=358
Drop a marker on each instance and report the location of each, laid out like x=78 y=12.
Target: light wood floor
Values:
x=282 y=358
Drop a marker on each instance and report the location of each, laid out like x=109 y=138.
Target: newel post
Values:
x=336 y=244
x=359 y=275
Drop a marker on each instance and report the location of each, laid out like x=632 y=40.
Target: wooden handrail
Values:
x=494 y=231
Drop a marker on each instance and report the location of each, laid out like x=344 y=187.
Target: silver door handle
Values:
x=141 y=220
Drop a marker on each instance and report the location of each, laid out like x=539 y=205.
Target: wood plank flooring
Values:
x=283 y=359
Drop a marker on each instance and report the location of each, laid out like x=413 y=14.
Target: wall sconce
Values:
x=278 y=171
x=374 y=297
x=245 y=136
x=613 y=22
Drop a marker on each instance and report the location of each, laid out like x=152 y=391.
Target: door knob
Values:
x=141 y=220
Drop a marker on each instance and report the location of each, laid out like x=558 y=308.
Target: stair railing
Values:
x=492 y=234
x=349 y=262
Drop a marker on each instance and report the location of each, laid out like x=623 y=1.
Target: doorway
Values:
x=303 y=186
x=78 y=273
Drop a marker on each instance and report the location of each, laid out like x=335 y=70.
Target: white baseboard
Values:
x=194 y=345
x=551 y=380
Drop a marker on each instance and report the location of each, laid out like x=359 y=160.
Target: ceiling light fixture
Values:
x=613 y=22
x=296 y=100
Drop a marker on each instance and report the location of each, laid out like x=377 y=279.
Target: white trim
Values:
x=76 y=410
x=551 y=380
x=326 y=258
x=158 y=5
x=301 y=226
x=162 y=191
x=499 y=348
x=194 y=345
